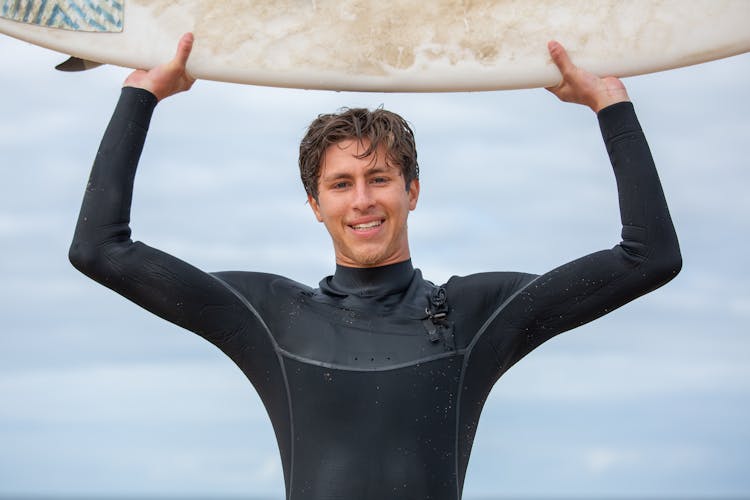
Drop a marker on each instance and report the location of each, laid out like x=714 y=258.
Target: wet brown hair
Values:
x=377 y=128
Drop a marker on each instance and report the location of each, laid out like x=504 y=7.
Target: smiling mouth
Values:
x=367 y=225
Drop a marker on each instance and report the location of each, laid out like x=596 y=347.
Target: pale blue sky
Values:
x=99 y=397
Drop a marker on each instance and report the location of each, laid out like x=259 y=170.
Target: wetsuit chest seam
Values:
x=337 y=366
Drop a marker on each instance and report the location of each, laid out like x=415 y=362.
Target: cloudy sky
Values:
x=97 y=397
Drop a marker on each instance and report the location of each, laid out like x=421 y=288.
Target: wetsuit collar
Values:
x=370 y=281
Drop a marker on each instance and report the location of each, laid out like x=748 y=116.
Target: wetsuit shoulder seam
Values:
x=282 y=367
x=494 y=315
x=249 y=307
x=467 y=355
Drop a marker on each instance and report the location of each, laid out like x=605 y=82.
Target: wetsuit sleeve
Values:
x=102 y=248
x=582 y=290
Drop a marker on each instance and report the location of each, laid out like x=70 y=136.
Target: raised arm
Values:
x=102 y=248
x=647 y=257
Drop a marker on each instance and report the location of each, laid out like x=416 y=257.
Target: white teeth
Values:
x=367 y=225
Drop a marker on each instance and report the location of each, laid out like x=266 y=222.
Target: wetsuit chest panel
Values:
x=346 y=338
x=388 y=434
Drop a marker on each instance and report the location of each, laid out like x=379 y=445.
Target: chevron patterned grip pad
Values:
x=75 y=15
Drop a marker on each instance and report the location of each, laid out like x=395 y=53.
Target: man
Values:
x=374 y=382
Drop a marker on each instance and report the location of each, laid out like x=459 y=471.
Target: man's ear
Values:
x=315 y=207
x=413 y=193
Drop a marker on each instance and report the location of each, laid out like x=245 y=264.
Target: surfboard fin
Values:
x=76 y=64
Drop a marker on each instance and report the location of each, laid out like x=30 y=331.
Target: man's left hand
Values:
x=581 y=87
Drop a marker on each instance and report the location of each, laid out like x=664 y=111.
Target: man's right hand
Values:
x=169 y=78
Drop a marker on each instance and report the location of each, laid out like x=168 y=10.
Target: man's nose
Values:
x=363 y=197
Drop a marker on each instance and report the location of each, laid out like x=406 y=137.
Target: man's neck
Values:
x=371 y=281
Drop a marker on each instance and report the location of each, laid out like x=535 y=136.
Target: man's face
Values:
x=364 y=205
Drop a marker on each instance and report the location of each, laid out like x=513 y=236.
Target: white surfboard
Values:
x=387 y=45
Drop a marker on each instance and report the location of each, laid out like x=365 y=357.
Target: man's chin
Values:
x=369 y=261
x=366 y=259
x=370 y=254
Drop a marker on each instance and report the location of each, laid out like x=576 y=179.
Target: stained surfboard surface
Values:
x=387 y=45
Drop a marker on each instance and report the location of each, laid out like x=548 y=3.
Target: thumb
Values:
x=560 y=57
x=184 y=47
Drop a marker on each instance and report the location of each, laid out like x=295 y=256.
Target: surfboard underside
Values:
x=387 y=45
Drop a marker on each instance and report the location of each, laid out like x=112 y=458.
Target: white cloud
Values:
x=740 y=306
x=599 y=460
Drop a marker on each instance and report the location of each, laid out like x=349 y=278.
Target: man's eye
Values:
x=380 y=180
x=340 y=185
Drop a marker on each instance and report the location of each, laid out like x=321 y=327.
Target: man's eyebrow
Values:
x=336 y=175
x=377 y=169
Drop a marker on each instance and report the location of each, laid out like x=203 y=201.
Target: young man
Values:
x=374 y=382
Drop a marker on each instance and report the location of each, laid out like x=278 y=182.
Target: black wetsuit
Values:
x=374 y=381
